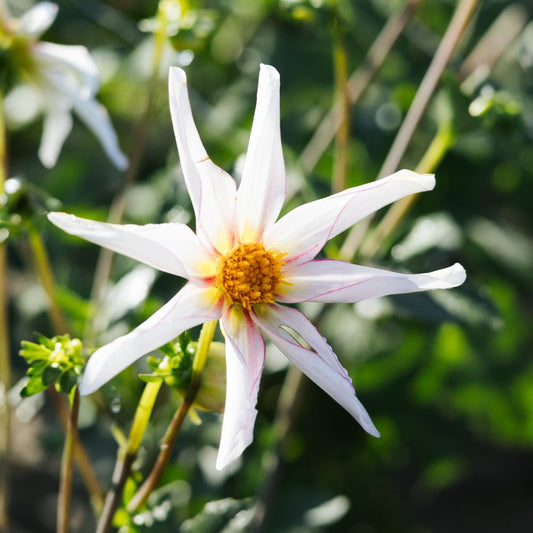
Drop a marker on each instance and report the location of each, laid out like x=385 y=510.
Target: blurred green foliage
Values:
x=447 y=377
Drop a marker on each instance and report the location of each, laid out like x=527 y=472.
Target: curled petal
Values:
x=35 y=21
x=172 y=248
x=57 y=125
x=212 y=191
x=283 y=325
x=336 y=281
x=262 y=190
x=303 y=232
x=190 y=307
x=245 y=356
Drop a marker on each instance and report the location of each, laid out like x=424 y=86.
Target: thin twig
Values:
x=82 y=459
x=288 y=406
x=65 y=487
x=357 y=84
x=126 y=456
x=445 y=51
x=5 y=363
x=46 y=277
x=165 y=448
x=342 y=137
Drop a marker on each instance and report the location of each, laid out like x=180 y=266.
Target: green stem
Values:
x=342 y=136
x=454 y=32
x=127 y=455
x=46 y=277
x=65 y=488
x=5 y=364
x=357 y=84
x=165 y=449
x=438 y=148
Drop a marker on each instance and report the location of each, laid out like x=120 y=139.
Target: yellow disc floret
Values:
x=250 y=274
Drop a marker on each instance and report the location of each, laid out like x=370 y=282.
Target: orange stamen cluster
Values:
x=250 y=275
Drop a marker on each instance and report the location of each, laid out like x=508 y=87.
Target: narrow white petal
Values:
x=37 y=19
x=190 y=307
x=245 y=356
x=97 y=120
x=303 y=232
x=262 y=190
x=317 y=360
x=73 y=61
x=212 y=191
x=57 y=125
x=336 y=281
x=172 y=248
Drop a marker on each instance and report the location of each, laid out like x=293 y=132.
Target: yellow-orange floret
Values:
x=250 y=274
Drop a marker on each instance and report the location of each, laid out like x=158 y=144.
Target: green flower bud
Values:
x=58 y=361
x=211 y=394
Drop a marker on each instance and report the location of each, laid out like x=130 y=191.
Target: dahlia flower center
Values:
x=250 y=274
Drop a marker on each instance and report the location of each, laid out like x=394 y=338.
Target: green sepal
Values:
x=45 y=341
x=34 y=386
x=150 y=378
x=184 y=340
x=67 y=381
x=51 y=374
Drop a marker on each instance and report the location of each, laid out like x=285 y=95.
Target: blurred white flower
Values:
x=66 y=76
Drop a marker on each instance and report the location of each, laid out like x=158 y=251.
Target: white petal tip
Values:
x=455 y=276
x=425 y=181
x=268 y=70
x=177 y=77
x=121 y=161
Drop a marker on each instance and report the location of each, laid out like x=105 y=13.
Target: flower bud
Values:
x=211 y=394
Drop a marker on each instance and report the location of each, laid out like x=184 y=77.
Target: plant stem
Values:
x=126 y=456
x=438 y=148
x=46 y=277
x=288 y=405
x=447 y=46
x=340 y=60
x=65 y=488
x=165 y=449
x=357 y=84
x=5 y=363
x=80 y=455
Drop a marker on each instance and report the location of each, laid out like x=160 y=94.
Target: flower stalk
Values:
x=5 y=364
x=438 y=148
x=127 y=454
x=165 y=449
x=342 y=136
x=455 y=31
x=46 y=277
x=65 y=488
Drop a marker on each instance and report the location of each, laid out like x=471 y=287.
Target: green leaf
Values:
x=35 y=385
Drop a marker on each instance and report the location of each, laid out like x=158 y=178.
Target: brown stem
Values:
x=454 y=32
x=357 y=84
x=342 y=137
x=65 y=487
x=5 y=362
x=165 y=450
x=288 y=406
x=82 y=459
x=120 y=475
